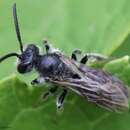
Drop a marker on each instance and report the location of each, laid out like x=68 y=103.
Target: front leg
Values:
x=49 y=48
x=60 y=99
x=39 y=80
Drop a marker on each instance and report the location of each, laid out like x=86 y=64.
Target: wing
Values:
x=105 y=90
x=98 y=87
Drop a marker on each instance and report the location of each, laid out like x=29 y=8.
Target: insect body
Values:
x=95 y=85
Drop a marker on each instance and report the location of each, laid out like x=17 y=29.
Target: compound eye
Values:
x=22 y=68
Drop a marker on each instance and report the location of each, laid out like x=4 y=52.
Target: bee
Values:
x=95 y=85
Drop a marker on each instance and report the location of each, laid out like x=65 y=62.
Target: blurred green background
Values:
x=90 y=25
x=101 y=26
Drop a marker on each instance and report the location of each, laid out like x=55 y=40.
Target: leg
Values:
x=49 y=92
x=84 y=60
x=74 y=54
x=41 y=80
x=60 y=99
x=37 y=81
x=49 y=48
x=96 y=56
x=91 y=57
x=78 y=52
x=45 y=95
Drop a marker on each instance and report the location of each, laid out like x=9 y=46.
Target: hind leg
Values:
x=87 y=57
x=96 y=56
x=92 y=57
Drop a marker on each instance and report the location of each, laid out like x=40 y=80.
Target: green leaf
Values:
x=17 y=111
x=118 y=64
x=93 y=26
x=120 y=68
x=124 y=49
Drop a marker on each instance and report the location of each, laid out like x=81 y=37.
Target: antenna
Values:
x=9 y=55
x=17 y=29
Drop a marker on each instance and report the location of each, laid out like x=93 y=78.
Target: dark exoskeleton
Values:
x=95 y=85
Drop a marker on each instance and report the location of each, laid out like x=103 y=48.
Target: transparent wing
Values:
x=111 y=96
x=99 y=87
x=106 y=90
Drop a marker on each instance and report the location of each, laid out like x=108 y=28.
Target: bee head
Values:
x=28 y=56
x=27 y=59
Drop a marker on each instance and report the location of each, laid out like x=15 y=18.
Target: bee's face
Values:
x=27 y=59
